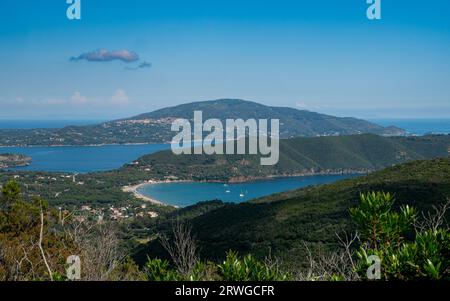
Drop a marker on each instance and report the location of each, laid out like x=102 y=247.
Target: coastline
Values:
x=85 y=145
x=134 y=189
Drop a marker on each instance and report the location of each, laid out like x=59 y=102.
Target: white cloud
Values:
x=78 y=99
x=120 y=98
x=51 y=102
x=300 y=104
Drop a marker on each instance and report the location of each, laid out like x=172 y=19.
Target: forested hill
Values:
x=294 y=122
x=155 y=127
x=281 y=224
x=342 y=154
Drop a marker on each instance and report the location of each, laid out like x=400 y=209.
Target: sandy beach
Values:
x=135 y=190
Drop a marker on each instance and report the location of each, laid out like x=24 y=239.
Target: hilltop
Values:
x=294 y=122
x=154 y=127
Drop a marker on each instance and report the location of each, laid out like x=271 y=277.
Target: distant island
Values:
x=155 y=127
x=14 y=160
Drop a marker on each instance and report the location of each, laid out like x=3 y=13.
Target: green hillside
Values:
x=293 y=122
x=279 y=224
x=342 y=154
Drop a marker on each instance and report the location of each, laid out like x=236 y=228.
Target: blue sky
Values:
x=323 y=56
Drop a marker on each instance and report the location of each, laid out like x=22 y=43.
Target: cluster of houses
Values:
x=118 y=213
x=165 y=120
x=99 y=213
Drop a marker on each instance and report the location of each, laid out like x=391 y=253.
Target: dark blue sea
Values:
x=82 y=159
x=99 y=158
x=418 y=126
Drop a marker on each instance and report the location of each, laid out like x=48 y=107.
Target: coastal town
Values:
x=87 y=212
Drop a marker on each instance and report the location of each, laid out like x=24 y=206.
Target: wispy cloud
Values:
x=145 y=65
x=103 y=55
x=77 y=101
x=120 y=98
x=142 y=65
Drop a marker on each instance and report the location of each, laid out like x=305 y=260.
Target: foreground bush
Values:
x=407 y=249
x=233 y=268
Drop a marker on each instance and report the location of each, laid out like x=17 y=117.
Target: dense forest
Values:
x=298 y=156
x=327 y=232
x=280 y=224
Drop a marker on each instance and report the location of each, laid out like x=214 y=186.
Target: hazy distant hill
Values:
x=294 y=122
x=154 y=127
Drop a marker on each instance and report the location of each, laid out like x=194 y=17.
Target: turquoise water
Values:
x=184 y=194
x=82 y=159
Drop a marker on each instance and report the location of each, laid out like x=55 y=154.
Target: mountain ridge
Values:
x=238 y=108
x=155 y=127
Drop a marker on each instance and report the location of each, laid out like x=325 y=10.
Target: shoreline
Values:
x=169 y=142
x=134 y=189
x=85 y=145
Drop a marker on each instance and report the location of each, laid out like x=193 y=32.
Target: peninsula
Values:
x=14 y=160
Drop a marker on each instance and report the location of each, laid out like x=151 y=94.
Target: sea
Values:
x=182 y=194
x=418 y=127
x=84 y=159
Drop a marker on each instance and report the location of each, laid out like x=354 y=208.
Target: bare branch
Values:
x=183 y=249
x=324 y=265
x=347 y=242
x=41 y=234
x=434 y=220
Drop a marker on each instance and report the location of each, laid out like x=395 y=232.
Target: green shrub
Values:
x=377 y=223
x=232 y=269
x=159 y=270
x=383 y=231
x=247 y=269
